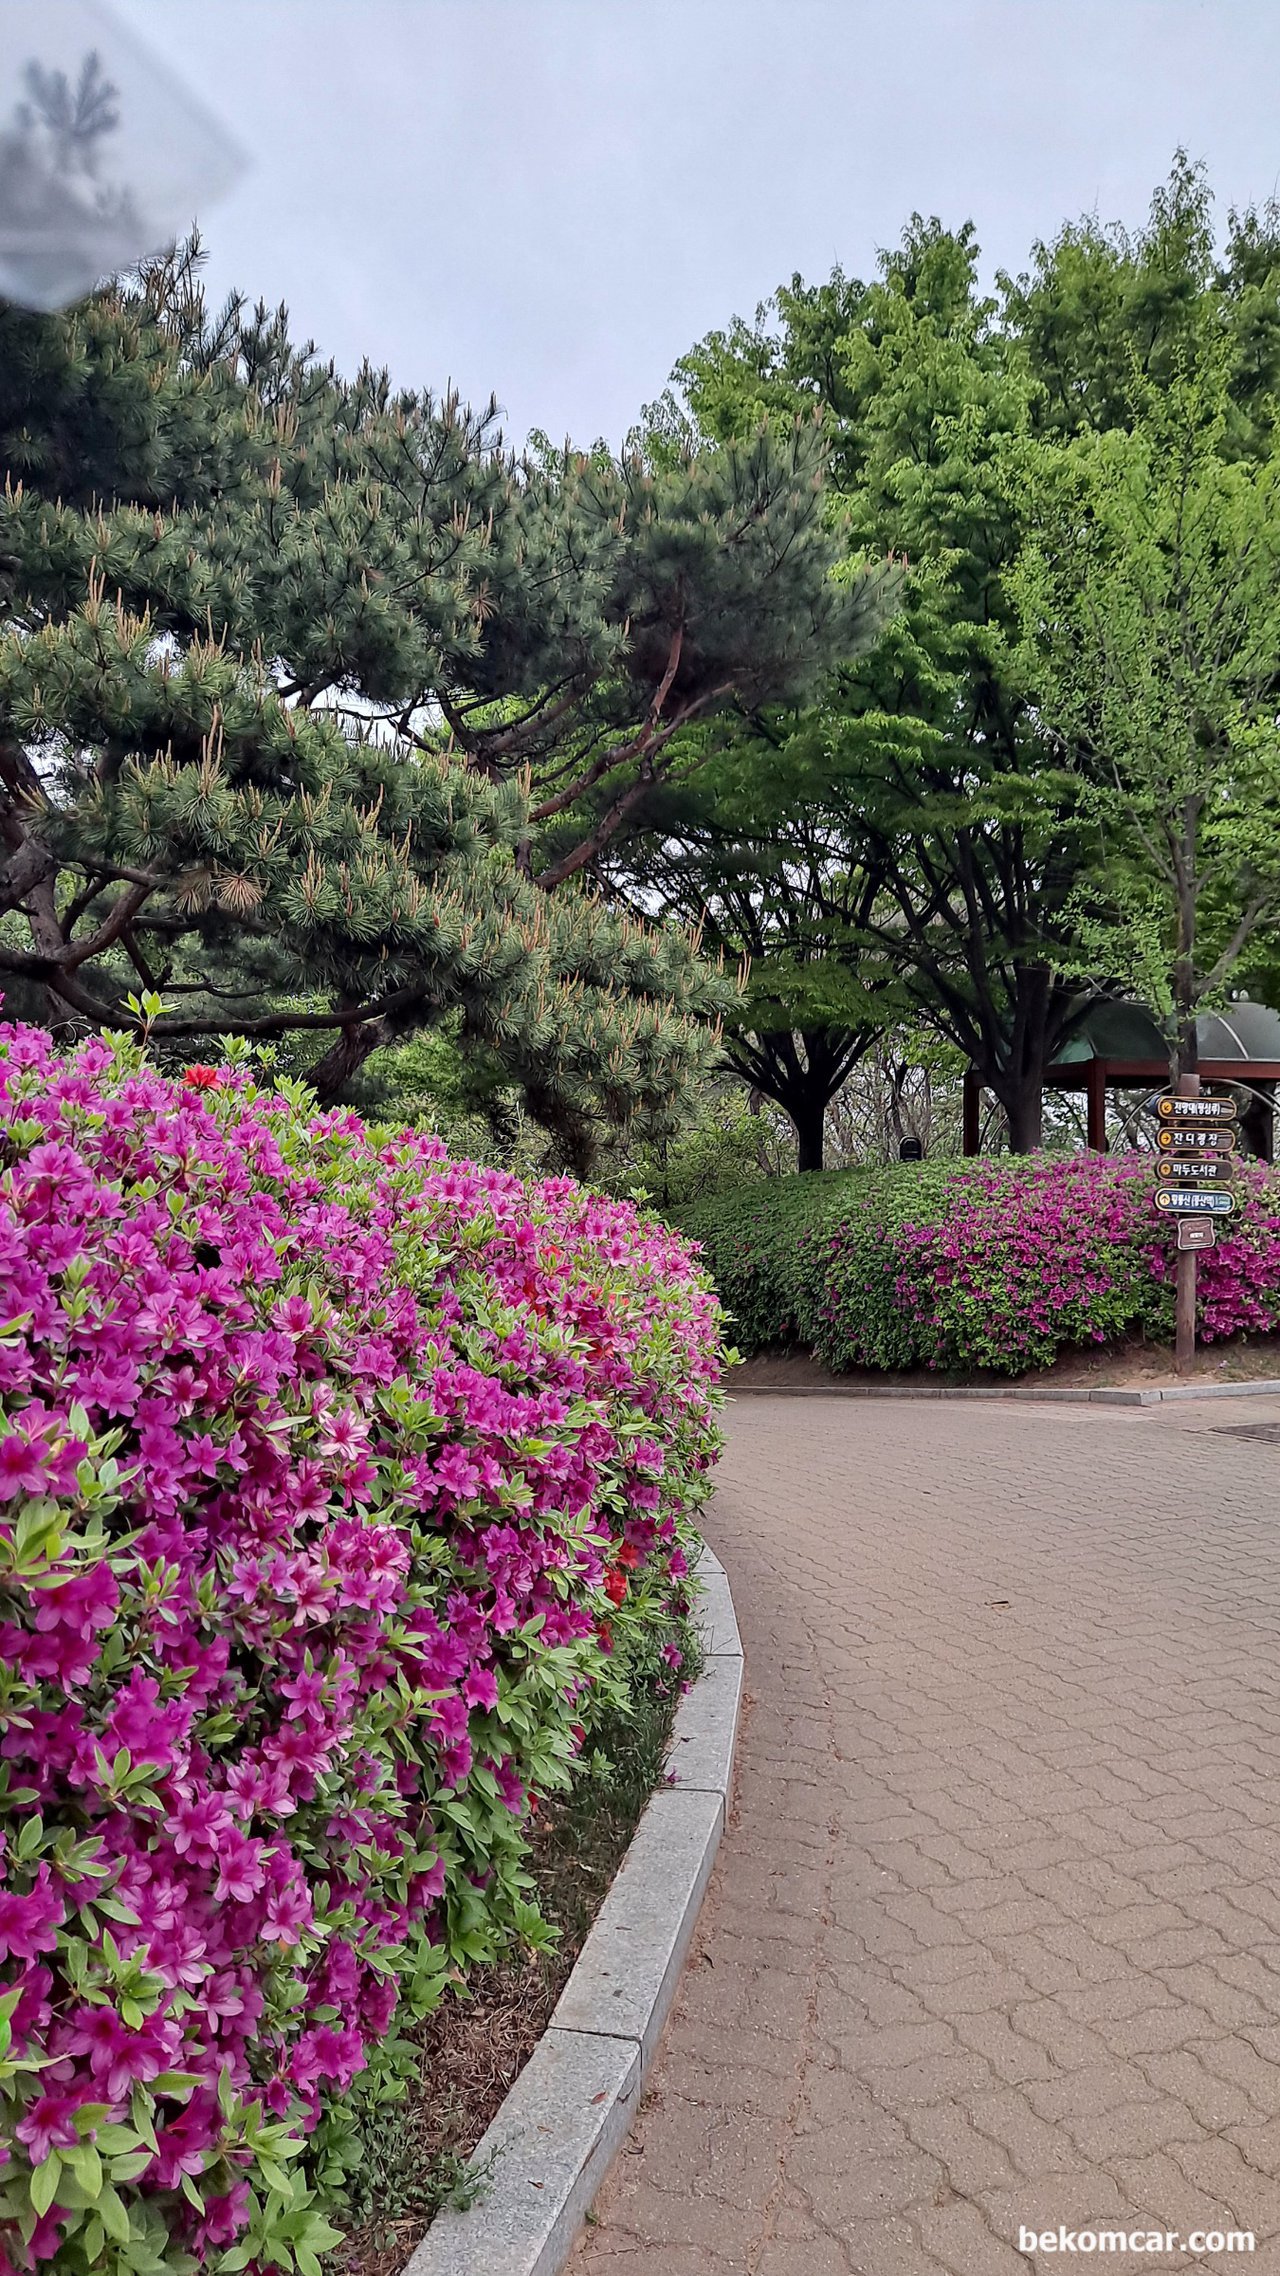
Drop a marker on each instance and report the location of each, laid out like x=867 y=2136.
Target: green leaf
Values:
x=130 y=2164
x=86 y=2165
x=44 y=2183
x=113 y=2216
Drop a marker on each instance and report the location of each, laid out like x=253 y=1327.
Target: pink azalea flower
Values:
x=327 y=2053
x=22 y=1466
x=29 y=1922
x=480 y=1689
x=49 y=2124
x=302 y=1608
x=241 y=1862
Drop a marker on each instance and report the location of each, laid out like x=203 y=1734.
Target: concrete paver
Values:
x=994 y=1938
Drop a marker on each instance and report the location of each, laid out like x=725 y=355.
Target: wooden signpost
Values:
x=1194 y=1146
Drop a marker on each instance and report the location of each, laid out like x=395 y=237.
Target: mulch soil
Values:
x=474 y=2048
x=1136 y=1366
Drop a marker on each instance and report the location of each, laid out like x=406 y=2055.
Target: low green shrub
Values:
x=755 y=1237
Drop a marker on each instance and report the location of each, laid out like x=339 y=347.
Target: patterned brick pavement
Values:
x=995 y=1935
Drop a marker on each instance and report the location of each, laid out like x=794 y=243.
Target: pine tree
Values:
x=295 y=674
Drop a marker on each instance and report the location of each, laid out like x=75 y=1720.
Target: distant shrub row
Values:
x=986 y=1264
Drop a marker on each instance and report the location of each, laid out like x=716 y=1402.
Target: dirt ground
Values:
x=1140 y=1366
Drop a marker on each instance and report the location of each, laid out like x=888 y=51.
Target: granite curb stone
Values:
x=1266 y=1387
x=627 y=1970
x=552 y=2143
x=706 y=1731
x=564 y=2120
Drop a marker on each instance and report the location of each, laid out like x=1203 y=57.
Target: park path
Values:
x=994 y=1937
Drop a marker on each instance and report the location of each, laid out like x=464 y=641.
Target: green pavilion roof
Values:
x=1127 y=1031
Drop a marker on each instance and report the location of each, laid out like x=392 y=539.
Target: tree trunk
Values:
x=342 y=1062
x=1019 y=1085
x=1186 y=1060
x=1022 y=1097
x=803 y=1085
x=810 y=1119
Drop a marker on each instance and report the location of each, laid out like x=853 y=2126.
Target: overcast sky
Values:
x=551 y=199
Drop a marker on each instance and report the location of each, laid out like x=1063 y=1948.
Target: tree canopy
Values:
x=1149 y=590
x=299 y=676
x=747 y=847
x=930 y=761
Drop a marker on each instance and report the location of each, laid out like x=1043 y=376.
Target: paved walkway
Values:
x=994 y=1941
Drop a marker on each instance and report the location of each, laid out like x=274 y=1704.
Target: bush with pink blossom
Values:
x=339 y=1483
x=996 y=1264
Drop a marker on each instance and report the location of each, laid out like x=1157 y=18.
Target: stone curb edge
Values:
x=1266 y=1387
x=566 y=2117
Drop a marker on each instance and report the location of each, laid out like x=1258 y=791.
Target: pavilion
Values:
x=1118 y=1047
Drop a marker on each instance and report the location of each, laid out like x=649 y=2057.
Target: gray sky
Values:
x=551 y=199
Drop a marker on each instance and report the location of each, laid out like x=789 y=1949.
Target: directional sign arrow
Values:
x=1196 y=1169
x=1190 y=1204
x=1192 y=1138
x=1198 y=1110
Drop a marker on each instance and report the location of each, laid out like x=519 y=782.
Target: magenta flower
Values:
x=241 y=1862
x=29 y=1923
x=326 y=2053
x=120 y=2056
x=50 y=2124
x=372 y=1415
x=480 y=1688
x=22 y=1466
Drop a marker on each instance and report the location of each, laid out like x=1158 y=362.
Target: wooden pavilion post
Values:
x=1096 y=1105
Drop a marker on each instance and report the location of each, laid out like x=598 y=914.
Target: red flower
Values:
x=605 y=1634
x=629 y=1555
x=615 y=1585
x=201 y=1078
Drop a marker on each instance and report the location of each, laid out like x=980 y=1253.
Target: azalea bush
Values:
x=994 y=1264
x=341 y=1486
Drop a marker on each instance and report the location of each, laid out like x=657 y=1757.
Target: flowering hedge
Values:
x=996 y=1264
x=339 y=1483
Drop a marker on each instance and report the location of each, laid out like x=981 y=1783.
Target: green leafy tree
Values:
x=928 y=757
x=742 y=853
x=1149 y=592
x=1101 y=308
x=922 y=757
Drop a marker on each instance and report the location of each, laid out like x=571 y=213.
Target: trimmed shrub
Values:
x=752 y=1236
x=340 y=1485
x=989 y=1264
